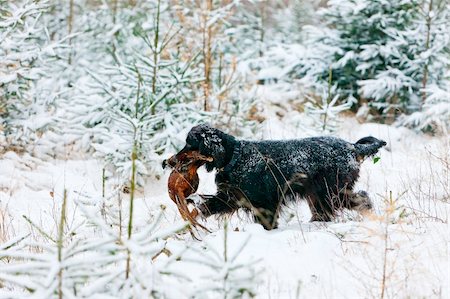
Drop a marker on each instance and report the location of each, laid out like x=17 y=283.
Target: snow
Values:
x=315 y=260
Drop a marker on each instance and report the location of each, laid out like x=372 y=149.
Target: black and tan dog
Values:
x=261 y=176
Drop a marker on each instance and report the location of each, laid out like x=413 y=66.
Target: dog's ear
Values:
x=209 y=142
x=215 y=150
x=196 y=134
x=211 y=145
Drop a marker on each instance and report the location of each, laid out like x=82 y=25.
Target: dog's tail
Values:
x=368 y=146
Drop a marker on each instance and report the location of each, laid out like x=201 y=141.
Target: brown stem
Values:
x=262 y=32
x=130 y=220
x=114 y=11
x=156 y=52
x=60 y=243
x=207 y=53
x=70 y=25
x=427 y=46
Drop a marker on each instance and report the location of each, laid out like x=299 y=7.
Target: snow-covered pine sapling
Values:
x=148 y=86
x=429 y=41
x=224 y=88
x=136 y=126
x=407 y=49
x=133 y=258
x=435 y=114
x=82 y=264
x=227 y=276
x=24 y=52
x=324 y=110
x=51 y=272
x=371 y=67
x=209 y=19
x=433 y=23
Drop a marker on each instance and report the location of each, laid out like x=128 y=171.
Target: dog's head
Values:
x=209 y=142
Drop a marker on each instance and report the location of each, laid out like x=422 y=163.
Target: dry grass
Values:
x=390 y=255
x=7 y=230
x=427 y=191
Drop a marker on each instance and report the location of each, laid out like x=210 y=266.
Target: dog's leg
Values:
x=311 y=200
x=267 y=218
x=320 y=208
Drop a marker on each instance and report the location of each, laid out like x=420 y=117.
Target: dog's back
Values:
x=309 y=162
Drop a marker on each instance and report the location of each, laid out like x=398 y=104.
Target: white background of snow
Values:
x=303 y=257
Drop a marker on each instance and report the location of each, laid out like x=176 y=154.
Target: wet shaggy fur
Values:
x=261 y=176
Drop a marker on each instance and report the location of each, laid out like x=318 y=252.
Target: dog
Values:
x=262 y=176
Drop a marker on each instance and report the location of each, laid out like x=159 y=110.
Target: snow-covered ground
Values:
x=405 y=240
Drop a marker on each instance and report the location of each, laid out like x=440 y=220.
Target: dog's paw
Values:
x=362 y=201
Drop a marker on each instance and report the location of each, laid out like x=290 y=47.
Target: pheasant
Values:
x=183 y=181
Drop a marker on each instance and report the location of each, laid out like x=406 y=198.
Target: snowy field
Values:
x=404 y=241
